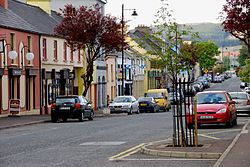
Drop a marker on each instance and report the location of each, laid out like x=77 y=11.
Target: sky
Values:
x=184 y=11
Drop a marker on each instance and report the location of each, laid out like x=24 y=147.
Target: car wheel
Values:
x=54 y=118
x=92 y=115
x=137 y=111
x=64 y=119
x=81 y=118
x=130 y=111
x=190 y=126
x=229 y=124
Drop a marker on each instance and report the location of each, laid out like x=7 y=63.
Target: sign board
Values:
x=14 y=106
x=1 y=46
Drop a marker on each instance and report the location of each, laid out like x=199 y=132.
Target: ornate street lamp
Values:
x=133 y=14
x=29 y=56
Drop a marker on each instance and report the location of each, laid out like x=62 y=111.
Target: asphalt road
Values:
x=97 y=143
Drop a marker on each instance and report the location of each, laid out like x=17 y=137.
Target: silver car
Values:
x=124 y=104
x=242 y=100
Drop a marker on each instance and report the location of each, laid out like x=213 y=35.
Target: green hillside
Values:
x=215 y=32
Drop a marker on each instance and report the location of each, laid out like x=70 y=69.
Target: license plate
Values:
x=206 y=117
x=143 y=104
x=65 y=108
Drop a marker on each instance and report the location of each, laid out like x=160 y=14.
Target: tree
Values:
x=207 y=52
x=245 y=72
x=237 y=19
x=243 y=55
x=86 y=28
x=165 y=43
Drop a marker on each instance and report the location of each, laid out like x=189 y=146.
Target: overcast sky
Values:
x=184 y=11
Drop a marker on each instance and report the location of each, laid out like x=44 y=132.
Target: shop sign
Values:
x=14 y=106
x=16 y=72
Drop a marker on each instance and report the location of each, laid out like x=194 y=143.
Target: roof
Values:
x=9 y=19
x=30 y=18
x=35 y=16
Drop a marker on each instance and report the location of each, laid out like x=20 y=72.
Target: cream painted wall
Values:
x=5 y=92
x=59 y=64
x=111 y=60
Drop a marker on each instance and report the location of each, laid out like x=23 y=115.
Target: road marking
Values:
x=211 y=137
x=165 y=159
x=225 y=131
x=126 y=153
x=102 y=143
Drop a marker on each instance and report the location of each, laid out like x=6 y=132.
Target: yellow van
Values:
x=161 y=97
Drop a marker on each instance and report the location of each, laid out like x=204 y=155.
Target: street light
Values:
x=133 y=14
x=29 y=56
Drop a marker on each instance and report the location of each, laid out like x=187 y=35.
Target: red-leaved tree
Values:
x=236 y=19
x=86 y=28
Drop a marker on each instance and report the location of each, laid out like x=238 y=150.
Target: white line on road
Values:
x=163 y=159
x=105 y=143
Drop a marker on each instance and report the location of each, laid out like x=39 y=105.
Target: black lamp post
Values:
x=133 y=14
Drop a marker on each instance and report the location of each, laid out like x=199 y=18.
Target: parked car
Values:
x=242 y=100
x=174 y=97
x=243 y=85
x=217 y=79
x=124 y=104
x=161 y=97
x=204 y=81
x=247 y=90
x=148 y=104
x=214 y=107
x=76 y=107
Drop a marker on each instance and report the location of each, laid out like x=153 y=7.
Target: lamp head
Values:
x=134 y=13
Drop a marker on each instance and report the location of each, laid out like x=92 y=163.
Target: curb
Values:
x=180 y=154
x=23 y=124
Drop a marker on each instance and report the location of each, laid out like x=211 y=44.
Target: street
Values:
x=104 y=142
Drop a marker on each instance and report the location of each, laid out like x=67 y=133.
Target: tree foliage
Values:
x=86 y=28
x=207 y=53
x=243 y=55
x=237 y=19
x=245 y=72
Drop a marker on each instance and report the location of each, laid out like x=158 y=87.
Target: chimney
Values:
x=4 y=3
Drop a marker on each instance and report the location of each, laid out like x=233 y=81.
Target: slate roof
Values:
x=10 y=19
x=42 y=21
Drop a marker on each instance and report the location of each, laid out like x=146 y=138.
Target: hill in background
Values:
x=215 y=32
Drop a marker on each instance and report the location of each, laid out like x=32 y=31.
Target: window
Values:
x=107 y=72
x=29 y=46
x=44 y=49
x=112 y=73
x=13 y=45
x=65 y=51
x=55 y=50
x=71 y=54
x=79 y=55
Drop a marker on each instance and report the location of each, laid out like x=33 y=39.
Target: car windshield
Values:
x=122 y=99
x=156 y=95
x=145 y=99
x=65 y=100
x=238 y=96
x=211 y=98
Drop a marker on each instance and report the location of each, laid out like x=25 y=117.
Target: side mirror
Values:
x=232 y=102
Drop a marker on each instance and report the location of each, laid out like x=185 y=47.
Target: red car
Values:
x=213 y=107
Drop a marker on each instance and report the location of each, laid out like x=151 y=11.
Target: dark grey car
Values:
x=76 y=107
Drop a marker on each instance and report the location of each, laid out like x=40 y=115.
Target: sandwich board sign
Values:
x=14 y=106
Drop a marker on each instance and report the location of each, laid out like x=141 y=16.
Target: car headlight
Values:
x=222 y=110
x=126 y=106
